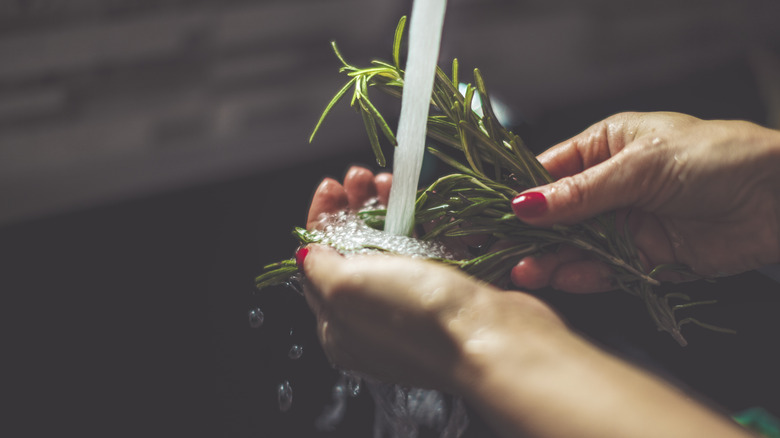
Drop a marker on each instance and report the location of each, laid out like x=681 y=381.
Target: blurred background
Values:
x=154 y=156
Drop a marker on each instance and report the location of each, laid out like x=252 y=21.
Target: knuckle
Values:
x=574 y=190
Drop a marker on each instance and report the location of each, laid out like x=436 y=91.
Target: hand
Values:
x=416 y=322
x=411 y=321
x=702 y=193
x=371 y=311
x=360 y=186
x=423 y=324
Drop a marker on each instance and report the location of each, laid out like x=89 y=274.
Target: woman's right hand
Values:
x=702 y=193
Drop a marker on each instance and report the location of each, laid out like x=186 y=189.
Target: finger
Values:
x=535 y=272
x=325 y=334
x=360 y=186
x=330 y=197
x=475 y=240
x=339 y=344
x=383 y=182
x=322 y=267
x=651 y=239
x=583 y=276
x=606 y=167
x=313 y=299
x=592 y=146
x=616 y=183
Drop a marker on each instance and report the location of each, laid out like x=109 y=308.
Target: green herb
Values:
x=493 y=166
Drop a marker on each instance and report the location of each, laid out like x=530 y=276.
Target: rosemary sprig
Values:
x=476 y=199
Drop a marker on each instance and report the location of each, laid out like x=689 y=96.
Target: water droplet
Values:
x=353 y=385
x=657 y=141
x=681 y=158
x=256 y=318
x=284 y=396
x=295 y=352
x=338 y=391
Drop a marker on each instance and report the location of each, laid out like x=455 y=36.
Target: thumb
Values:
x=604 y=187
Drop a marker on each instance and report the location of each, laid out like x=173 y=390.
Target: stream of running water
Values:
x=427 y=20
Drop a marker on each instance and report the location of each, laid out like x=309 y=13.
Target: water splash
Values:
x=352 y=384
x=333 y=413
x=401 y=411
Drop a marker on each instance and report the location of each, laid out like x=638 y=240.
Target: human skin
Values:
x=509 y=354
x=705 y=194
x=422 y=324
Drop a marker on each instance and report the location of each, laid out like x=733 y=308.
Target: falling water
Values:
x=400 y=411
x=424 y=38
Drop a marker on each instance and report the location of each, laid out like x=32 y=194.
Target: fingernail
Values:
x=300 y=257
x=529 y=205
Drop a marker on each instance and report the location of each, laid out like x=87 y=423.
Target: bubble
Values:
x=351 y=236
x=284 y=395
x=295 y=352
x=256 y=318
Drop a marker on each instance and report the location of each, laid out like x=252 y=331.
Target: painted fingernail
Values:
x=300 y=257
x=529 y=205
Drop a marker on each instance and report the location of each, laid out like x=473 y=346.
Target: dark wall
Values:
x=127 y=255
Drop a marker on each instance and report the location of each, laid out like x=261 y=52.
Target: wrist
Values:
x=504 y=336
x=770 y=159
x=769 y=155
x=529 y=375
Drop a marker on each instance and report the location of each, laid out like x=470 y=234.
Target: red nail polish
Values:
x=300 y=256
x=529 y=205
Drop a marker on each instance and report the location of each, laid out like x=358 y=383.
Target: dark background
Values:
x=153 y=157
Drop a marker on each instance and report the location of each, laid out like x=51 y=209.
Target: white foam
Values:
x=350 y=235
